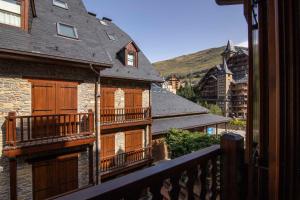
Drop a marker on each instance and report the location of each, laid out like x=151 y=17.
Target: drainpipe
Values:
x=97 y=122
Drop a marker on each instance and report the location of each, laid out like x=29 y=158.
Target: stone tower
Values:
x=224 y=80
x=229 y=51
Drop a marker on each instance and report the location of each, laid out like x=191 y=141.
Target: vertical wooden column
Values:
x=13 y=178
x=232 y=146
x=91 y=164
x=11 y=136
x=91 y=121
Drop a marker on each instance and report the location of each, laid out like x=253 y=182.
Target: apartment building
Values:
x=227 y=84
x=63 y=72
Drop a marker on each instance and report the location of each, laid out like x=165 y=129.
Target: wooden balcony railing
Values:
x=213 y=173
x=24 y=129
x=113 y=116
x=124 y=159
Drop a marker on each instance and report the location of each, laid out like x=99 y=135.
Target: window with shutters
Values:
x=10 y=12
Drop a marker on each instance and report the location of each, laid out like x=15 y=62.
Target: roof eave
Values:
x=229 y=2
x=36 y=57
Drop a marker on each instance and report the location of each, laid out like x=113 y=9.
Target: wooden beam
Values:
x=229 y=2
x=91 y=164
x=13 y=178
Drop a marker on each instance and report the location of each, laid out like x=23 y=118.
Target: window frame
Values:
x=21 y=15
x=134 y=58
x=58 y=30
x=57 y=5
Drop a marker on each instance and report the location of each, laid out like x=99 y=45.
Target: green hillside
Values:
x=191 y=63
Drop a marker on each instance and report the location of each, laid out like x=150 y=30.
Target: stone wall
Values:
x=120 y=142
x=24 y=180
x=83 y=169
x=86 y=97
x=146 y=98
x=15 y=95
x=159 y=149
x=119 y=98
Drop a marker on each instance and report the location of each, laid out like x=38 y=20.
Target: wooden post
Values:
x=91 y=121
x=11 y=137
x=216 y=129
x=91 y=164
x=232 y=146
x=13 y=178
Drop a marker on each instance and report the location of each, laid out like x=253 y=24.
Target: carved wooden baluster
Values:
x=184 y=191
x=146 y=194
x=197 y=184
x=175 y=186
x=166 y=189
x=218 y=178
x=203 y=180
x=209 y=181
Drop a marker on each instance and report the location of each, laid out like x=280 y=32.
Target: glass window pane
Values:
x=60 y=4
x=66 y=30
x=130 y=60
x=11 y=6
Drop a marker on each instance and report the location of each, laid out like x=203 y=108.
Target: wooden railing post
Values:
x=11 y=125
x=91 y=121
x=232 y=146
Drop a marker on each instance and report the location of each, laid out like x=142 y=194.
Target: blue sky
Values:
x=165 y=29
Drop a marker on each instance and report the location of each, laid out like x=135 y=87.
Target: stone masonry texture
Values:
x=15 y=95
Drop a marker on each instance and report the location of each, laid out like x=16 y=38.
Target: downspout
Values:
x=97 y=121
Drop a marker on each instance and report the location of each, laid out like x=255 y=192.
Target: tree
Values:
x=181 y=142
x=187 y=92
x=213 y=108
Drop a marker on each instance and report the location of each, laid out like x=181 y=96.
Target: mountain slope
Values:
x=191 y=63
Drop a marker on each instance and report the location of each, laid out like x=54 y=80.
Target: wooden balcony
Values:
x=125 y=161
x=212 y=173
x=120 y=117
x=36 y=132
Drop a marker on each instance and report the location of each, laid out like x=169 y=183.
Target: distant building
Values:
x=227 y=84
x=173 y=111
x=172 y=84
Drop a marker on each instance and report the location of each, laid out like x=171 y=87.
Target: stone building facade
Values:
x=221 y=83
x=16 y=95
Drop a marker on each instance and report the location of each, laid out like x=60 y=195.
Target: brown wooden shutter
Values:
x=66 y=98
x=107 y=145
x=54 y=177
x=43 y=97
x=133 y=140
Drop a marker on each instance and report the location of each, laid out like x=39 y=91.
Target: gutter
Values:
x=97 y=121
x=6 y=53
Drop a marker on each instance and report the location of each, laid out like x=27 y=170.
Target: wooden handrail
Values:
x=123 y=115
x=167 y=180
x=123 y=159
x=20 y=129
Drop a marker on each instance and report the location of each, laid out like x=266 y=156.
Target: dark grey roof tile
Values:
x=166 y=103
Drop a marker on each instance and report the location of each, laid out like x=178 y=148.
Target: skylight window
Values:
x=111 y=36
x=10 y=12
x=67 y=31
x=103 y=22
x=60 y=4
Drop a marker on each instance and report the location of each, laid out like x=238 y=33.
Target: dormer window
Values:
x=61 y=4
x=10 y=12
x=131 y=59
x=67 y=31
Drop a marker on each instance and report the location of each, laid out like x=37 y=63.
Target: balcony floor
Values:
x=29 y=147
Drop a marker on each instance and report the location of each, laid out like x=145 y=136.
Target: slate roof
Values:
x=42 y=38
x=224 y=69
x=145 y=70
x=163 y=125
x=230 y=48
x=92 y=47
x=165 y=103
x=242 y=80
